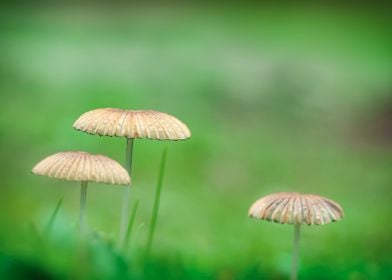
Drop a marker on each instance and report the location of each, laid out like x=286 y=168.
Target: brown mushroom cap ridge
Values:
x=82 y=167
x=148 y=124
x=296 y=208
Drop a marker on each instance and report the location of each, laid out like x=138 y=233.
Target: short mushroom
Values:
x=131 y=124
x=82 y=167
x=296 y=209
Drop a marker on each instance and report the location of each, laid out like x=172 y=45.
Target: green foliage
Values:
x=155 y=210
x=278 y=99
x=53 y=218
x=131 y=224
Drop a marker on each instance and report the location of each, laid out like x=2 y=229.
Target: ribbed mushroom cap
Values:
x=296 y=208
x=82 y=167
x=132 y=124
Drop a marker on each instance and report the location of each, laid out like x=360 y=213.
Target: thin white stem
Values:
x=128 y=155
x=126 y=194
x=82 y=215
x=294 y=266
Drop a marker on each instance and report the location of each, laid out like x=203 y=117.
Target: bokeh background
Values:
x=278 y=98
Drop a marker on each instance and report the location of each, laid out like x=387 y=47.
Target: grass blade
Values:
x=156 y=204
x=130 y=224
x=49 y=226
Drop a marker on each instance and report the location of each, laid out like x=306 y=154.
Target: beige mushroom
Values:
x=296 y=209
x=131 y=124
x=82 y=167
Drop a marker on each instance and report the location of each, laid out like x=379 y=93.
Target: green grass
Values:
x=155 y=210
x=131 y=224
x=278 y=99
x=53 y=218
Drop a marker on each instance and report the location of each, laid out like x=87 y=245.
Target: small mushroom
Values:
x=82 y=167
x=131 y=124
x=296 y=209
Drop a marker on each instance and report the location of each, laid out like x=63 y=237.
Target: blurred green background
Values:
x=278 y=98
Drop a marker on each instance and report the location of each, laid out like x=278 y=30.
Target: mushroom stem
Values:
x=128 y=155
x=126 y=194
x=82 y=215
x=294 y=266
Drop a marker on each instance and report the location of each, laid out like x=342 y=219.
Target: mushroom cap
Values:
x=82 y=167
x=132 y=124
x=296 y=208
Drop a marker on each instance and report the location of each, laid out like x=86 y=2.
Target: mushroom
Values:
x=82 y=167
x=131 y=124
x=296 y=209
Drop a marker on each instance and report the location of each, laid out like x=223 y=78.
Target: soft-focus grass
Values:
x=277 y=100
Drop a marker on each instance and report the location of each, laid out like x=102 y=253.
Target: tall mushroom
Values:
x=131 y=124
x=82 y=167
x=296 y=209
